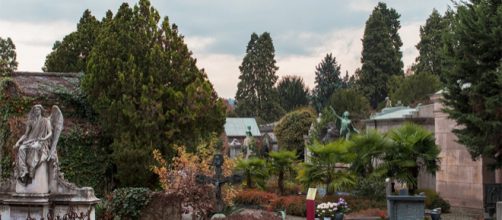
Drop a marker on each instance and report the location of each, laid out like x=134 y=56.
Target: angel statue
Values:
x=345 y=124
x=38 y=144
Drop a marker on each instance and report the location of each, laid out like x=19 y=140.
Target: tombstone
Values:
x=38 y=189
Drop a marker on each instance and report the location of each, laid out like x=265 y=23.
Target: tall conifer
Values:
x=256 y=95
x=327 y=80
x=381 y=55
x=148 y=91
x=473 y=74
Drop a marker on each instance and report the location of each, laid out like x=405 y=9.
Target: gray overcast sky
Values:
x=217 y=31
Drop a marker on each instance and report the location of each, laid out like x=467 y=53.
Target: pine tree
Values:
x=8 y=63
x=71 y=54
x=381 y=55
x=148 y=91
x=474 y=77
x=431 y=41
x=292 y=93
x=327 y=80
x=256 y=95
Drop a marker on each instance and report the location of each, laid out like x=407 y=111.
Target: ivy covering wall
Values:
x=84 y=155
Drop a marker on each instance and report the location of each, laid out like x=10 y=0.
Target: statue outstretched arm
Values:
x=334 y=112
x=354 y=128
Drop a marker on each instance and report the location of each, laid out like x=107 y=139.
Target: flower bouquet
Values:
x=326 y=209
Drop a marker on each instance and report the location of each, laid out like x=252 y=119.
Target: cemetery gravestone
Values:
x=38 y=189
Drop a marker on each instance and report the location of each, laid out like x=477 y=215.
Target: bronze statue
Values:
x=345 y=124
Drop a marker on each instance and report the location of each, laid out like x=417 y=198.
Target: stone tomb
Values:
x=37 y=188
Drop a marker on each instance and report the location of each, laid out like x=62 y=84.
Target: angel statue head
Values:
x=38 y=143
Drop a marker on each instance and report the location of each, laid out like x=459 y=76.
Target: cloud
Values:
x=362 y=5
x=34 y=40
x=345 y=44
x=410 y=34
x=199 y=44
x=222 y=70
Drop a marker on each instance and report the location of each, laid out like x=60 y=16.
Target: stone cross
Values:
x=218 y=180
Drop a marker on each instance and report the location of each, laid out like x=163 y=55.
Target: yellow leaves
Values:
x=179 y=175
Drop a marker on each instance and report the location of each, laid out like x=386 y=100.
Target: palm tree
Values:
x=369 y=149
x=413 y=149
x=327 y=166
x=254 y=169
x=280 y=162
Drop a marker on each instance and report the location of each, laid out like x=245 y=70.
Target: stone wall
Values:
x=460 y=179
x=162 y=206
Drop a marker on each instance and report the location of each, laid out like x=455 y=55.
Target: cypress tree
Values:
x=431 y=40
x=256 y=95
x=148 y=91
x=71 y=54
x=381 y=55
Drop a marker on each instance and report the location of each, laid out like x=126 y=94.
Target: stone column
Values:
x=499 y=210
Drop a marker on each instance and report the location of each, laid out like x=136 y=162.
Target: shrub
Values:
x=434 y=200
x=253 y=197
x=253 y=216
x=293 y=205
x=127 y=203
x=372 y=188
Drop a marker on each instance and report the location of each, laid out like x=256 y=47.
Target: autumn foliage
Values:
x=179 y=177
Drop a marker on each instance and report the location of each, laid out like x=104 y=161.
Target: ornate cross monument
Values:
x=218 y=180
x=37 y=188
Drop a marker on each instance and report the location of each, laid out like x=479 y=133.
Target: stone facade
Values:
x=460 y=179
x=394 y=117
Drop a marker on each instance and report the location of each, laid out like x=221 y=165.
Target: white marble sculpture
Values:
x=38 y=188
x=38 y=145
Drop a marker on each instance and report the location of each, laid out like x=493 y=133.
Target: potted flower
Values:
x=326 y=210
x=341 y=208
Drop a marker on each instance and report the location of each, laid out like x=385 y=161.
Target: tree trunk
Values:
x=280 y=182
x=248 y=179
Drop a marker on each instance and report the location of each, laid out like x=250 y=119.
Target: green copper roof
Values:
x=239 y=126
x=394 y=113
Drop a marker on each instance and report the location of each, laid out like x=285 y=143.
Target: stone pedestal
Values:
x=40 y=182
x=406 y=207
x=65 y=198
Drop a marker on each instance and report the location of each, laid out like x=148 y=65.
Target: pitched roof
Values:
x=37 y=84
x=239 y=126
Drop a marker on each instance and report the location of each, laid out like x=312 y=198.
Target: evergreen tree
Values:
x=381 y=55
x=256 y=95
x=431 y=41
x=348 y=81
x=474 y=77
x=148 y=91
x=72 y=53
x=327 y=80
x=8 y=63
x=352 y=101
x=413 y=89
x=292 y=93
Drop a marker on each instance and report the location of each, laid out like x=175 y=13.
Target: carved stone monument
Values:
x=37 y=187
x=249 y=145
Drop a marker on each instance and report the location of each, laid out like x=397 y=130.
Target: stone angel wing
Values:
x=57 y=126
